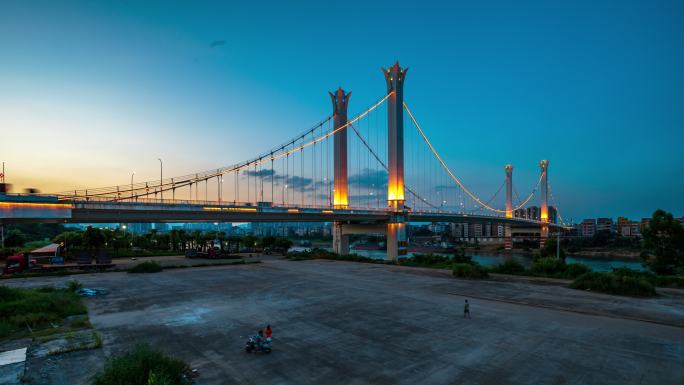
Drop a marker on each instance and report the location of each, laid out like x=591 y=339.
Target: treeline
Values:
x=173 y=241
x=18 y=235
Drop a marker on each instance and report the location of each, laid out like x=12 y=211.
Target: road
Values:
x=354 y=323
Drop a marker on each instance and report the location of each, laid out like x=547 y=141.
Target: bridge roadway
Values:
x=33 y=208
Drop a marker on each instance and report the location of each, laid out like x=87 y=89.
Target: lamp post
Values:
x=161 y=179
x=132 y=175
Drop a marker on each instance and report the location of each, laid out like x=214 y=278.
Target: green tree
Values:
x=663 y=243
x=267 y=241
x=249 y=241
x=15 y=238
x=283 y=243
x=549 y=249
x=93 y=238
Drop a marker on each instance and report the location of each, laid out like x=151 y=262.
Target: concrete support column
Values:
x=543 y=235
x=340 y=101
x=394 y=76
x=397 y=241
x=340 y=240
x=508 y=237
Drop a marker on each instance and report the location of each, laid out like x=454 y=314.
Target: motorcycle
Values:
x=253 y=346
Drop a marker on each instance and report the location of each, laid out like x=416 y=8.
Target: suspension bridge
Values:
x=365 y=174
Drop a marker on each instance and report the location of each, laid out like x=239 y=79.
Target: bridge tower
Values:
x=396 y=229
x=508 y=236
x=544 y=214
x=340 y=101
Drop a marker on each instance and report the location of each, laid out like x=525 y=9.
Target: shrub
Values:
x=612 y=283
x=508 y=267
x=143 y=366
x=469 y=271
x=548 y=266
x=427 y=260
x=146 y=267
x=74 y=285
x=574 y=270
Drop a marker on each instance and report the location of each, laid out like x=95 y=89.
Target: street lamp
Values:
x=161 y=179
x=132 y=175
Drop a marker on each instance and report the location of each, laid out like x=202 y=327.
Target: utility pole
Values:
x=132 y=175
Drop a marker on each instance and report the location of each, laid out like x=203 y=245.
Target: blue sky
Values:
x=90 y=91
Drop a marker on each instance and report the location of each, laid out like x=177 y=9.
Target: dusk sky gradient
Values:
x=92 y=90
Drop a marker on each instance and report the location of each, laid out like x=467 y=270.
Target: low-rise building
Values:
x=588 y=227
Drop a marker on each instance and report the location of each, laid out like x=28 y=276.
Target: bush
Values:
x=143 y=366
x=612 y=283
x=36 y=308
x=548 y=267
x=508 y=267
x=146 y=267
x=428 y=260
x=74 y=285
x=574 y=270
x=469 y=271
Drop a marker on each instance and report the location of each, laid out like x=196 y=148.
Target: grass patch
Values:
x=619 y=283
x=36 y=309
x=143 y=366
x=146 y=267
x=469 y=271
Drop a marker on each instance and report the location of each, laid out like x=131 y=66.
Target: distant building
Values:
x=477 y=230
x=628 y=228
x=437 y=228
x=456 y=230
x=500 y=230
x=588 y=227
x=534 y=213
x=604 y=224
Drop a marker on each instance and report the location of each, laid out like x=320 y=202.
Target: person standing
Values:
x=466 y=310
x=268 y=332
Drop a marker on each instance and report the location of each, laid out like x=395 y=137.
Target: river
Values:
x=493 y=259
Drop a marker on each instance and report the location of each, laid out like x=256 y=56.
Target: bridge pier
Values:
x=340 y=239
x=508 y=237
x=397 y=241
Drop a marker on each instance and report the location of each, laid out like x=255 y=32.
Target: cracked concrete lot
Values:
x=353 y=323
